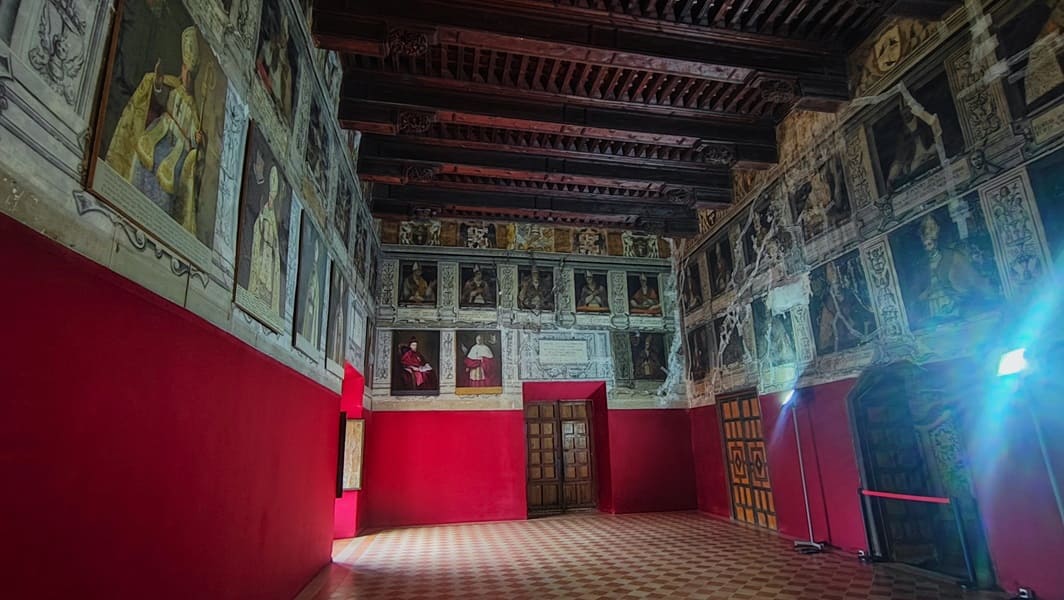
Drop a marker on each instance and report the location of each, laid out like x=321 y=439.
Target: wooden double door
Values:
x=744 y=451
x=560 y=457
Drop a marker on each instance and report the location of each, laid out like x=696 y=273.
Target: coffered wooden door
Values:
x=744 y=449
x=560 y=457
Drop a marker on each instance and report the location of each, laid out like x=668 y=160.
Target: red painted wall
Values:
x=178 y=461
x=831 y=474
x=651 y=460
x=444 y=467
x=345 y=511
x=711 y=476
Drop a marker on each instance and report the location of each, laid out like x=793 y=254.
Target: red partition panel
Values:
x=179 y=461
x=651 y=459
x=711 y=476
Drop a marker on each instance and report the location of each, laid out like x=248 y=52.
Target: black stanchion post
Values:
x=964 y=540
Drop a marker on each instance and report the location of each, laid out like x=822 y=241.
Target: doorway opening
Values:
x=744 y=450
x=909 y=424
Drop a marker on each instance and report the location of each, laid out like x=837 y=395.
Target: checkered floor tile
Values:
x=669 y=555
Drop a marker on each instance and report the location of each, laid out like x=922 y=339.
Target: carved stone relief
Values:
x=883 y=283
x=382 y=367
x=447 y=361
x=448 y=291
x=980 y=104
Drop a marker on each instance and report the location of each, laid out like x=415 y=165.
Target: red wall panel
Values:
x=183 y=463
x=444 y=467
x=345 y=513
x=651 y=461
x=711 y=477
x=783 y=467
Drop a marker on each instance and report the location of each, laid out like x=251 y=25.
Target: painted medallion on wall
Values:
x=419 y=233
x=336 y=334
x=589 y=241
x=479 y=362
x=649 y=360
x=317 y=158
x=535 y=290
x=310 y=288
x=535 y=238
x=277 y=59
x=904 y=141
x=644 y=294
x=479 y=287
x=730 y=342
x=822 y=203
x=342 y=214
x=692 y=286
x=160 y=127
x=477 y=234
x=1030 y=42
x=262 y=251
x=699 y=353
x=417 y=362
x=946 y=266
x=721 y=265
x=774 y=336
x=591 y=296
x=840 y=308
x=639 y=245
x=418 y=283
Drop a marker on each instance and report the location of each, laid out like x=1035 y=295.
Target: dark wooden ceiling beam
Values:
x=359 y=93
x=920 y=9
x=384 y=148
x=677 y=221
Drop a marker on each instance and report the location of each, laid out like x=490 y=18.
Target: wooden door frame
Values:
x=590 y=407
x=592 y=439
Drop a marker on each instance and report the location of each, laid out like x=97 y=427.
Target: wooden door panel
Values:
x=744 y=447
x=543 y=473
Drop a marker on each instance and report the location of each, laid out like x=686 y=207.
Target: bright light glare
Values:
x=1012 y=362
x=787 y=399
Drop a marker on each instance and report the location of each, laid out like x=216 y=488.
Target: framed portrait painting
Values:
x=591 y=295
x=479 y=287
x=644 y=294
x=649 y=360
x=160 y=128
x=352 y=444
x=479 y=362
x=418 y=283
x=310 y=289
x=336 y=330
x=416 y=356
x=263 y=232
x=277 y=61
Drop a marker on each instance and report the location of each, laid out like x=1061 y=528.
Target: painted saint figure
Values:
x=476 y=291
x=311 y=318
x=480 y=365
x=417 y=289
x=914 y=152
x=418 y=373
x=164 y=158
x=648 y=361
x=265 y=281
x=645 y=299
x=1044 y=73
x=592 y=295
x=534 y=293
x=953 y=282
x=273 y=65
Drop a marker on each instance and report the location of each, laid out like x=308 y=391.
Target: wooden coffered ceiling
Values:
x=623 y=113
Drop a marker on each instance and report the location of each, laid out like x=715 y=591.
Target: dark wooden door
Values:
x=744 y=447
x=576 y=455
x=560 y=457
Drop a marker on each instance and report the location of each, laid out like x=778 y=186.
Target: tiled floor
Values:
x=668 y=555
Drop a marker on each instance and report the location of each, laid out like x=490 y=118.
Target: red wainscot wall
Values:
x=711 y=476
x=179 y=461
x=346 y=509
x=830 y=464
x=652 y=461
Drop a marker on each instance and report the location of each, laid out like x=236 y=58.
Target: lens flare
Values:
x=1012 y=362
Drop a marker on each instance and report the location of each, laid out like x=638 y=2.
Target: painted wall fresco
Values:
x=899 y=228
x=125 y=124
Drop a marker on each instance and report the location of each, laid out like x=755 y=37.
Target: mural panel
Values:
x=479 y=287
x=730 y=341
x=721 y=265
x=477 y=235
x=262 y=250
x=1048 y=188
x=840 y=306
x=160 y=127
x=418 y=283
x=648 y=356
x=310 y=288
x=692 y=286
x=644 y=294
x=945 y=264
x=592 y=297
x=822 y=203
x=699 y=353
x=479 y=362
x=318 y=158
x=774 y=336
x=589 y=241
x=1030 y=42
x=277 y=61
x=415 y=371
x=535 y=289
x=336 y=335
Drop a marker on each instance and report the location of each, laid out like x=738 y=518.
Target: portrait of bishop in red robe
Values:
x=478 y=363
x=417 y=371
